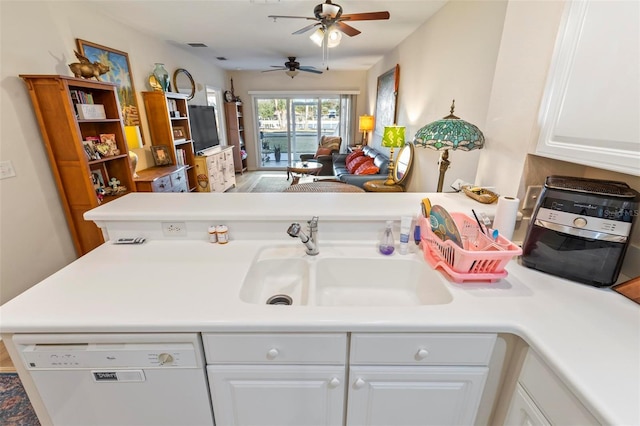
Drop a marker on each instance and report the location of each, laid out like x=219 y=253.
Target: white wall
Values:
x=39 y=38
x=451 y=56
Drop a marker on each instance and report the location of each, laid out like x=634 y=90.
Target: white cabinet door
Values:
x=589 y=114
x=277 y=395
x=523 y=411
x=399 y=395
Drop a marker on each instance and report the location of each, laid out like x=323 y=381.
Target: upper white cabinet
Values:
x=590 y=113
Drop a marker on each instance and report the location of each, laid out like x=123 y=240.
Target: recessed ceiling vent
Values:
x=197 y=44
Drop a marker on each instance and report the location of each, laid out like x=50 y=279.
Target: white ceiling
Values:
x=240 y=30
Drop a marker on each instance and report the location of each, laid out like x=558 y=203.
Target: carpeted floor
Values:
x=271 y=184
x=15 y=407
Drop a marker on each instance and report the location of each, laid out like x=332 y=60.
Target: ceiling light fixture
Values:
x=292 y=73
x=327 y=38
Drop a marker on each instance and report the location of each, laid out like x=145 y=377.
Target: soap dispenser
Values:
x=387 y=243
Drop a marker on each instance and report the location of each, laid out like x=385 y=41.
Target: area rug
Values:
x=271 y=184
x=15 y=407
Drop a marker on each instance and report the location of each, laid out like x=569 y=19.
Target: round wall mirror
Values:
x=183 y=83
x=403 y=163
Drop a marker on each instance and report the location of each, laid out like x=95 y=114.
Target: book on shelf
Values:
x=181 y=157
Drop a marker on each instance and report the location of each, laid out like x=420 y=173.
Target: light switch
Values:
x=6 y=170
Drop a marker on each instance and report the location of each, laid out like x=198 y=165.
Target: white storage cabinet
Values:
x=417 y=379
x=589 y=114
x=277 y=379
x=541 y=398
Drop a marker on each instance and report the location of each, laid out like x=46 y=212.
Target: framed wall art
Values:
x=161 y=155
x=119 y=73
x=178 y=133
x=386 y=102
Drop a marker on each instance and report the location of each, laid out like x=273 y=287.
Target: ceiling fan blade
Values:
x=275 y=69
x=307 y=69
x=274 y=17
x=305 y=29
x=347 y=29
x=367 y=16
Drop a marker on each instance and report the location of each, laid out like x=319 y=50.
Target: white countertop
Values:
x=590 y=337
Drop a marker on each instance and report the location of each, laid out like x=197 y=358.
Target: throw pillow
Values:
x=354 y=154
x=322 y=151
x=357 y=162
x=331 y=142
x=368 y=168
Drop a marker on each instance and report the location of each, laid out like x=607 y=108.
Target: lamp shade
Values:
x=317 y=36
x=450 y=132
x=366 y=123
x=393 y=136
x=292 y=73
x=133 y=136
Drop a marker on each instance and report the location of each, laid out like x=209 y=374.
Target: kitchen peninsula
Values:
x=585 y=340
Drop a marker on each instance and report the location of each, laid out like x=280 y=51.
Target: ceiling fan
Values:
x=292 y=67
x=328 y=15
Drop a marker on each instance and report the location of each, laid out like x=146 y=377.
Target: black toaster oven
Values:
x=580 y=229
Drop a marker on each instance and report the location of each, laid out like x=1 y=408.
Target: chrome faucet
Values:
x=308 y=240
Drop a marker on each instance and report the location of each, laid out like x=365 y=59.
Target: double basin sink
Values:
x=347 y=274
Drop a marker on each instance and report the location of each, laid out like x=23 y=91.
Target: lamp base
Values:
x=390 y=180
x=133 y=159
x=444 y=165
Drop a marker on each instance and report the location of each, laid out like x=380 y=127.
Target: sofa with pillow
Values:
x=327 y=146
x=361 y=166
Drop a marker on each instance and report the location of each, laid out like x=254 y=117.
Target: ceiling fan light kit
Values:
x=292 y=68
x=330 y=22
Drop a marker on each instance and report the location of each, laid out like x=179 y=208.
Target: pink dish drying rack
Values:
x=483 y=259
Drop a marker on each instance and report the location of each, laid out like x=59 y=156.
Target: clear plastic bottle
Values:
x=387 y=243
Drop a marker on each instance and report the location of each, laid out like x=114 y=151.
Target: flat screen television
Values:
x=204 y=131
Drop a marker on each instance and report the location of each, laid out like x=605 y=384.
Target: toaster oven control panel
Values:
x=571 y=220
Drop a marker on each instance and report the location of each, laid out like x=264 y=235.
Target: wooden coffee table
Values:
x=301 y=168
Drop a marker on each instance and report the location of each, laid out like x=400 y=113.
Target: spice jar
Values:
x=213 y=235
x=223 y=234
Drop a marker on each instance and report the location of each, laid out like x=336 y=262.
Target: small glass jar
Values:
x=213 y=234
x=223 y=234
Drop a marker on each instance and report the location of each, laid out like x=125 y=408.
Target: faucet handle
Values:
x=313 y=222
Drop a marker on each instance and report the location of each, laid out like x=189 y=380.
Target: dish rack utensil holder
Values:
x=483 y=260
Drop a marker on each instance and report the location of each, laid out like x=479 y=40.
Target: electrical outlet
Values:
x=174 y=229
x=531 y=196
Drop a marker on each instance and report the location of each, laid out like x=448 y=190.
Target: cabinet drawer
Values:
x=162 y=184
x=178 y=180
x=249 y=348
x=422 y=348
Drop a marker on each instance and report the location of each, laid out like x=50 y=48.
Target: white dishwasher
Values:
x=119 y=379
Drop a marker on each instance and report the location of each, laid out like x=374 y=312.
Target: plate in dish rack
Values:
x=443 y=225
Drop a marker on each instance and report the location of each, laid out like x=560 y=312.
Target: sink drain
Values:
x=280 y=299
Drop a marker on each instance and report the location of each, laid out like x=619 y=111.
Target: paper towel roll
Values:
x=506 y=214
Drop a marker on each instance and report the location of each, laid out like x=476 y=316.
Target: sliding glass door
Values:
x=289 y=127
